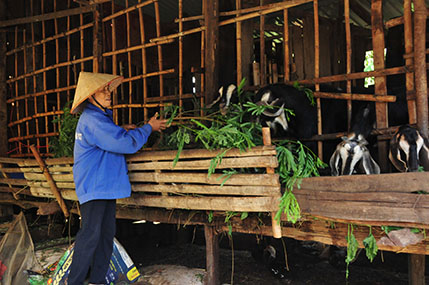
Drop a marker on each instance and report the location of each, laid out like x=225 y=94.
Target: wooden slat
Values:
x=45 y=192
x=199 y=153
x=13 y=181
x=49 y=161
x=363 y=211
x=238 y=162
x=12 y=160
x=56 y=177
x=394 y=199
x=215 y=179
x=392 y=182
x=239 y=204
x=10 y=170
x=207 y=189
x=61 y=185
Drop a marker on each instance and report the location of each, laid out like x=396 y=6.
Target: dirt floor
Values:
x=146 y=247
x=149 y=244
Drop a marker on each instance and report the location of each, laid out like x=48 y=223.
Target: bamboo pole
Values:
x=57 y=72
x=51 y=182
x=97 y=46
x=262 y=58
x=420 y=15
x=317 y=74
x=130 y=71
x=27 y=126
x=44 y=64
x=277 y=231
x=356 y=75
x=45 y=17
x=68 y=52
x=267 y=9
x=128 y=10
x=353 y=96
x=45 y=92
x=114 y=64
x=17 y=87
x=239 y=46
x=51 y=38
x=409 y=76
x=144 y=67
x=34 y=76
x=203 y=64
x=180 y=57
x=159 y=48
x=348 y=60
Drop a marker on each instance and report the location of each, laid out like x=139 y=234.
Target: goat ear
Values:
x=394 y=155
x=424 y=155
x=369 y=164
x=334 y=163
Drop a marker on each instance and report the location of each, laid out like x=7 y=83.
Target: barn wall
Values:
x=142 y=42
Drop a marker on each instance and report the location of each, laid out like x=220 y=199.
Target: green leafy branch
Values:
x=296 y=161
x=63 y=145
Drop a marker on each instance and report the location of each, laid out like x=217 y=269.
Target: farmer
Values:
x=100 y=172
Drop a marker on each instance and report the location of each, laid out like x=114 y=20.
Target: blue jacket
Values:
x=100 y=170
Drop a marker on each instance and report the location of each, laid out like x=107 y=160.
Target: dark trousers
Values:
x=94 y=242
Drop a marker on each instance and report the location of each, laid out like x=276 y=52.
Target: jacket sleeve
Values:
x=110 y=137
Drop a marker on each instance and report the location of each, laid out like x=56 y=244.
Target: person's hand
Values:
x=129 y=127
x=157 y=125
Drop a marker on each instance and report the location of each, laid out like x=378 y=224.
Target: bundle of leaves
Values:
x=237 y=129
x=62 y=146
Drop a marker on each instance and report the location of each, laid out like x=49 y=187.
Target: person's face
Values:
x=104 y=97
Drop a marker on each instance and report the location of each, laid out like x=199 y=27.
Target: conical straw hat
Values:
x=89 y=83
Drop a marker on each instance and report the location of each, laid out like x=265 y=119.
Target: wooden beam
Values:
x=3 y=86
x=45 y=17
x=211 y=20
x=409 y=76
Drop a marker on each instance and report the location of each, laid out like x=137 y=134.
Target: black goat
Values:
x=409 y=150
x=352 y=155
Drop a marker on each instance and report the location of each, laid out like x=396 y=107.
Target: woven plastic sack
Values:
x=17 y=253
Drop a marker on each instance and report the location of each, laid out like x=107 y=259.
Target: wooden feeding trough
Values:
x=156 y=182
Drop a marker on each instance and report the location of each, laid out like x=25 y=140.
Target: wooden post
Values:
x=286 y=55
x=50 y=181
x=409 y=76
x=238 y=44
x=212 y=255
x=416 y=269
x=416 y=262
x=262 y=58
x=349 y=60
x=3 y=91
x=211 y=19
x=380 y=81
x=317 y=74
x=420 y=66
x=277 y=230
x=98 y=38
